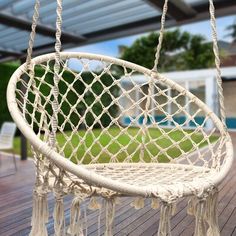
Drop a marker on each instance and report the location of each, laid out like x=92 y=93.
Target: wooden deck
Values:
x=16 y=207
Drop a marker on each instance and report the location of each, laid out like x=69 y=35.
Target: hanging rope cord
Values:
x=29 y=66
x=217 y=62
x=157 y=54
x=30 y=69
x=147 y=112
x=161 y=36
x=35 y=20
x=215 y=50
x=156 y=61
x=56 y=78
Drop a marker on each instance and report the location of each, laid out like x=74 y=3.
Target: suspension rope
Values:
x=161 y=36
x=149 y=101
x=56 y=78
x=215 y=50
x=28 y=65
x=217 y=61
x=35 y=20
x=58 y=32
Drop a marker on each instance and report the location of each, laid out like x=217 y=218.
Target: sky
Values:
x=110 y=48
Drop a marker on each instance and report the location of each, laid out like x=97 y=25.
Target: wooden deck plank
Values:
x=16 y=208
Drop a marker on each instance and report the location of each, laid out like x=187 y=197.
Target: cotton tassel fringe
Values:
x=58 y=215
x=76 y=228
x=94 y=204
x=191 y=210
x=211 y=215
x=110 y=215
x=155 y=203
x=164 y=225
x=40 y=215
x=138 y=203
x=200 y=224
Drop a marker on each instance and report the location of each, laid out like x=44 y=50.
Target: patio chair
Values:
x=7 y=134
x=47 y=98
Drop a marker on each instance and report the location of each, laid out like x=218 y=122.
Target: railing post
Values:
x=23 y=147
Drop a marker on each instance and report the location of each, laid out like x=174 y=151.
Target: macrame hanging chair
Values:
x=80 y=147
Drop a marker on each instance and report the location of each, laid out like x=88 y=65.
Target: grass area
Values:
x=81 y=142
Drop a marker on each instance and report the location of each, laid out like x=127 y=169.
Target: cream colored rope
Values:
x=217 y=60
x=147 y=114
x=55 y=104
x=215 y=50
x=157 y=55
x=33 y=32
x=161 y=36
x=58 y=31
x=29 y=67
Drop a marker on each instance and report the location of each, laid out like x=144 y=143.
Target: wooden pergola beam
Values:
x=5 y=58
x=183 y=12
x=153 y=23
x=11 y=53
x=24 y=24
x=219 y=5
x=177 y=9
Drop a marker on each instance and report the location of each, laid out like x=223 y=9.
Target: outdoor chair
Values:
x=7 y=134
x=73 y=122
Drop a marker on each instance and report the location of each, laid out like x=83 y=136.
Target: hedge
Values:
x=89 y=98
x=6 y=70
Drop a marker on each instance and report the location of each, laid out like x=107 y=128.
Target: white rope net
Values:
x=91 y=111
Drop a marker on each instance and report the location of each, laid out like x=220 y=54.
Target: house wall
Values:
x=229 y=88
x=229 y=61
x=199 y=90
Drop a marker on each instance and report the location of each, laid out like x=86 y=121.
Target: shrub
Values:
x=71 y=98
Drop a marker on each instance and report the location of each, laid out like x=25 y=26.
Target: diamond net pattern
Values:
x=105 y=115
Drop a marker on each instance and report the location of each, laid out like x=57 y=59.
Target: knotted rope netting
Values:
x=73 y=120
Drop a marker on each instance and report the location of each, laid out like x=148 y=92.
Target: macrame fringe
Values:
x=173 y=208
x=76 y=228
x=164 y=225
x=94 y=204
x=110 y=215
x=211 y=215
x=58 y=215
x=155 y=203
x=205 y=211
x=138 y=203
x=99 y=221
x=40 y=215
x=200 y=224
x=191 y=210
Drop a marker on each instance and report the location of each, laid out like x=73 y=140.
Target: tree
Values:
x=180 y=51
x=232 y=29
x=198 y=54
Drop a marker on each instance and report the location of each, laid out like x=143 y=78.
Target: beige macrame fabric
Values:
x=59 y=109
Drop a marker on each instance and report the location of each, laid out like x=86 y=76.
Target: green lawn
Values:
x=76 y=149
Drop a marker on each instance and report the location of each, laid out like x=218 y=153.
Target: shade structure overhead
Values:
x=89 y=21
